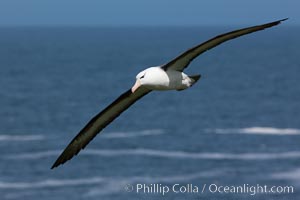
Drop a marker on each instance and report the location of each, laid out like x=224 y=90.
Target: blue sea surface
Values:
x=238 y=126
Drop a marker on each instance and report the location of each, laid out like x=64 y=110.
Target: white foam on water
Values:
x=258 y=131
x=20 y=194
x=194 y=155
x=34 y=155
x=165 y=154
x=21 y=137
x=289 y=175
x=107 y=181
x=133 y=133
x=51 y=183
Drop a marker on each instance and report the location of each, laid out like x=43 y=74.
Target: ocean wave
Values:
x=21 y=137
x=21 y=194
x=258 y=130
x=194 y=155
x=165 y=154
x=133 y=133
x=51 y=183
x=34 y=155
x=106 y=181
x=289 y=175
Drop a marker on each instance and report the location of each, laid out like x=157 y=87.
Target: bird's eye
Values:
x=142 y=76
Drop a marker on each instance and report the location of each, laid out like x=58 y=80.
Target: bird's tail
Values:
x=195 y=78
x=192 y=81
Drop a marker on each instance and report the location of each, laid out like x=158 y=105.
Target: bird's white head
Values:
x=150 y=78
x=140 y=80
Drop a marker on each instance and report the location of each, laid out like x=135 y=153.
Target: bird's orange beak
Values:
x=136 y=86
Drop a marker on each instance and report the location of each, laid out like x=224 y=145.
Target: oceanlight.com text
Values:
x=250 y=189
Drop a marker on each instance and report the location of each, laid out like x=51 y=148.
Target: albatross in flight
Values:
x=169 y=76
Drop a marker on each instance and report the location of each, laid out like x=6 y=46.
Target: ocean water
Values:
x=238 y=126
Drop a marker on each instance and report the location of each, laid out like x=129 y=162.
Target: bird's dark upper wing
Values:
x=99 y=122
x=184 y=59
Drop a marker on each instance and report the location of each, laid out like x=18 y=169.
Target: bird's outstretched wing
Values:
x=183 y=60
x=99 y=122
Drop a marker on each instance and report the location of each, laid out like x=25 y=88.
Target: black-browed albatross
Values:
x=169 y=76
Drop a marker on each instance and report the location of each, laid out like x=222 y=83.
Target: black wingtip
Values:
x=54 y=165
x=57 y=162
x=279 y=21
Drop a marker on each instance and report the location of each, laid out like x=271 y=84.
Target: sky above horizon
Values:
x=145 y=12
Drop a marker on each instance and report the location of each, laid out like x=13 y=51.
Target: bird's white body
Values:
x=155 y=78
